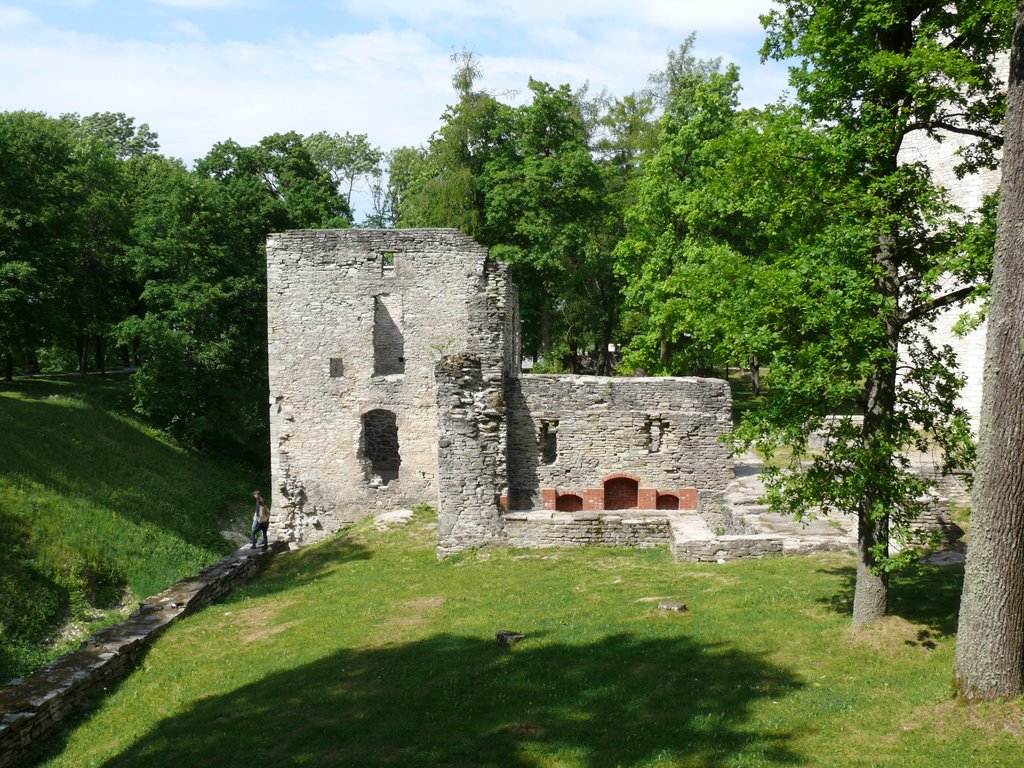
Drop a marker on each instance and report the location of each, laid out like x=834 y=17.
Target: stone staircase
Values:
x=750 y=530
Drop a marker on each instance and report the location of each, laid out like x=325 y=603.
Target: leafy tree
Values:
x=444 y=189
x=990 y=636
x=36 y=204
x=346 y=159
x=544 y=207
x=869 y=75
x=200 y=239
x=797 y=233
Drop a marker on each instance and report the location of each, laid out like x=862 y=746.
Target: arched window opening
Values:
x=621 y=493
x=569 y=502
x=379 y=444
x=668 y=501
x=388 y=339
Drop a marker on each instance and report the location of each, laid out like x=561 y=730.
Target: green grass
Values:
x=96 y=510
x=367 y=651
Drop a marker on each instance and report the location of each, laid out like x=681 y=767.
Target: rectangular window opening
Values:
x=337 y=369
x=547 y=441
x=387 y=261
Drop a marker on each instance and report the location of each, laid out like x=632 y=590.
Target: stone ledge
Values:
x=31 y=709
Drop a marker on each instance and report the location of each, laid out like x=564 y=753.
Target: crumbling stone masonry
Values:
x=394 y=378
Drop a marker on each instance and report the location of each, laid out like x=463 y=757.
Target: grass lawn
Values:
x=96 y=509
x=365 y=650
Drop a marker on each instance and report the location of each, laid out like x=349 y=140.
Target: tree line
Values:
x=671 y=222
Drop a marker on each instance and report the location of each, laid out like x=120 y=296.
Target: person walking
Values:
x=260 y=520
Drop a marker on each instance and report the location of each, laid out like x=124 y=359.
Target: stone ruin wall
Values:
x=394 y=359
x=968 y=193
x=357 y=321
x=506 y=452
x=571 y=432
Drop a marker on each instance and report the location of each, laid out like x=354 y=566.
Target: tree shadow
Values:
x=924 y=595
x=462 y=701
x=296 y=568
x=87 y=452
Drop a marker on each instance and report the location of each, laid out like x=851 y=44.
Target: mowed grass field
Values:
x=366 y=650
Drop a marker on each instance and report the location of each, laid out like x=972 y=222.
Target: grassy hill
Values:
x=96 y=510
x=366 y=651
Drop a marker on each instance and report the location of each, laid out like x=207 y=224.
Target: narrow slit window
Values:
x=547 y=441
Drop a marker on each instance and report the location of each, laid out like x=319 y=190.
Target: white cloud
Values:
x=11 y=16
x=392 y=83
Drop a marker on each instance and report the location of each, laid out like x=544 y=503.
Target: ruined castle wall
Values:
x=968 y=193
x=357 y=320
x=472 y=448
x=571 y=432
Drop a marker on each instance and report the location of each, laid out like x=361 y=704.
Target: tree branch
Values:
x=916 y=313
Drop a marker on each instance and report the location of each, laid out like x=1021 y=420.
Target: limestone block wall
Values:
x=968 y=193
x=472 y=450
x=357 y=321
x=587 y=529
x=33 y=709
x=570 y=433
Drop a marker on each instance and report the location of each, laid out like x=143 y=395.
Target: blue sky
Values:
x=200 y=71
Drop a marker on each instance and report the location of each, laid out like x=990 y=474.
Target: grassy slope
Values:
x=367 y=651
x=95 y=509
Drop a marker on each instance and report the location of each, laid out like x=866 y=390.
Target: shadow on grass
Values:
x=85 y=452
x=303 y=566
x=926 y=595
x=460 y=701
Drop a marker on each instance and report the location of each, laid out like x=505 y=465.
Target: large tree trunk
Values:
x=871 y=592
x=755 y=376
x=8 y=367
x=990 y=639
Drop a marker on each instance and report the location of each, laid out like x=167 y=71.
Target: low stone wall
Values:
x=728 y=548
x=32 y=709
x=586 y=529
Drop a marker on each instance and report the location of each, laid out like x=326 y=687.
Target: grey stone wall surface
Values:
x=665 y=431
x=968 y=193
x=471 y=456
x=357 y=321
x=587 y=529
x=33 y=709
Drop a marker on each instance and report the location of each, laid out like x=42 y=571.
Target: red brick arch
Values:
x=621 y=491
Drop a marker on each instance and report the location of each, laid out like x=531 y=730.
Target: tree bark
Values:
x=101 y=357
x=871 y=592
x=83 y=354
x=990 y=637
x=8 y=367
x=755 y=376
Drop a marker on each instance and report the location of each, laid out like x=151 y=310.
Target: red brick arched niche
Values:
x=621 y=491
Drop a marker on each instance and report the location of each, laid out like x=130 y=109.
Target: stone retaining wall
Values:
x=32 y=709
x=586 y=529
x=728 y=548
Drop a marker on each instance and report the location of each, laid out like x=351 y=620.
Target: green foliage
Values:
x=199 y=251
x=97 y=509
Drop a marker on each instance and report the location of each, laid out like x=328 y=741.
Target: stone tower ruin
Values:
x=395 y=379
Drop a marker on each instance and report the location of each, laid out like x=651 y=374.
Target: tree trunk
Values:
x=83 y=354
x=101 y=357
x=990 y=637
x=8 y=367
x=545 y=331
x=871 y=593
x=755 y=376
